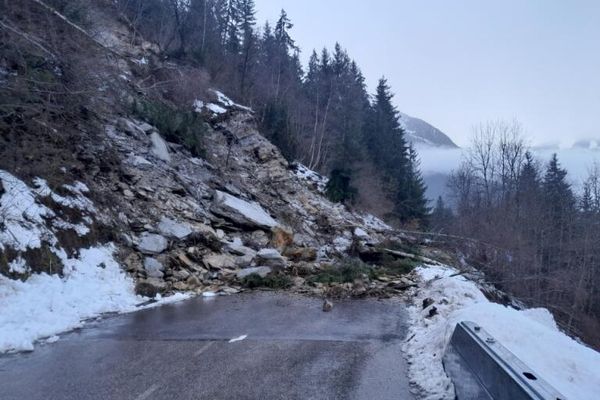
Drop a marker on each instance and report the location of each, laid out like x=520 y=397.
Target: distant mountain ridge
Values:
x=419 y=132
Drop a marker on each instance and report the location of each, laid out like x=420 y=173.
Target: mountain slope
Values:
x=419 y=132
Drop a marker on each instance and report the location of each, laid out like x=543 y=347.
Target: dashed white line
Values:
x=147 y=393
x=203 y=348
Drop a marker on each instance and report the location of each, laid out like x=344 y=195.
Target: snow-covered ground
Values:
x=40 y=306
x=532 y=335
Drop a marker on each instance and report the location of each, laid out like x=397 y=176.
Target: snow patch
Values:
x=311 y=177
x=532 y=335
x=22 y=216
x=375 y=223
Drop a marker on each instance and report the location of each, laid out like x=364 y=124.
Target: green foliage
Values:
x=338 y=187
x=183 y=127
x=276 y=128
x=270 y=281
x=397 y=266
x=346 y=271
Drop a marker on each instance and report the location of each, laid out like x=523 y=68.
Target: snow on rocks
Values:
x=241 y=211
x=375 y=223
x=310 y=177
x=219 y=105
x=532 y=335
x=23 y=217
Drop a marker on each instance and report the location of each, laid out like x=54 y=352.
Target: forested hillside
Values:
x=320 y=114
x=527 y=227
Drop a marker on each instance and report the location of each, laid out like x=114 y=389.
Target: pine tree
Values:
x=441 y=216
x=249 y=42
x=414 y=205
x=282 y=36
x=558 y=194
x=386 y=137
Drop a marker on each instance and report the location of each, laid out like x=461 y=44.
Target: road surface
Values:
x=293 y=350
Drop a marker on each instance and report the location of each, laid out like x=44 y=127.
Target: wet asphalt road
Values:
x=293 y=350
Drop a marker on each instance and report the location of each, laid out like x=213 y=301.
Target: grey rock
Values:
x=219 y=261
x=237 y=248
x=181 y=275
x=271 y=258
x=146 y=127
x=159 y=147
x=241 y=212
x=140 y=162
x=150 y=287
x=153 y=268
x=173 y=229
x=151 y=243
x=260 y=271
x=269 y=254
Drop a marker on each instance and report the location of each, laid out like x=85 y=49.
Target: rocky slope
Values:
x=238 y=217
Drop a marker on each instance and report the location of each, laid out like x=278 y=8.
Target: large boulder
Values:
x=151 y=243
x=281 y=237
x=219 y=261
x=260 y=271
x=271 y=258
x=241 y=212
x=150 y=287
x=153 y=268
x=159 y=147
x=173 y=229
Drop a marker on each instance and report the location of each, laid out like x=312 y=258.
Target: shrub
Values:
x=271 y=281
x=338 y=187
x=183 y=127
x=345 y=271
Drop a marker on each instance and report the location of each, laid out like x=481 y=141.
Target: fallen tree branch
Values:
x=28 y=38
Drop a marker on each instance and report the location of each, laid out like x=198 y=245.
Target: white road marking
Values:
x=147 y=393
x=237 y=339
x=203 y=348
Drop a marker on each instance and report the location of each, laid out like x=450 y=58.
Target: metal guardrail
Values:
x=481 y=368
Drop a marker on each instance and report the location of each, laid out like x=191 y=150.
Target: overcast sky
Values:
x=456 y=63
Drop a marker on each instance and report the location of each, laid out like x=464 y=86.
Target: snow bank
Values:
x=532 y=335
x=45 y=305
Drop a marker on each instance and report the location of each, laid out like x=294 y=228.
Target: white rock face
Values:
x=269 y=254
x=152 y=244
x=360 y=233
x=260 y=271
x=159 y=147
x=174 y=229
x=241 y=212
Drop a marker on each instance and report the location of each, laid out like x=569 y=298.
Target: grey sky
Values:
x=456 y=63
